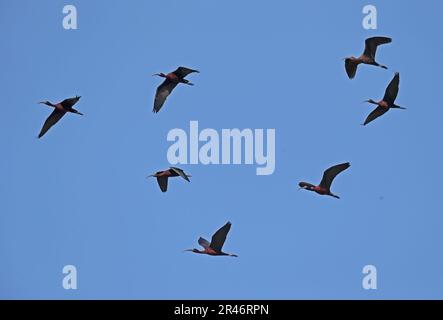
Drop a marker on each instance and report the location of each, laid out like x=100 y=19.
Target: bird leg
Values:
x=76 y=112
x=185 y=81
x=380 y=65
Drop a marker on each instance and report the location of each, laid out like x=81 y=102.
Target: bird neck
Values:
x=48 y=103
x=305 y=185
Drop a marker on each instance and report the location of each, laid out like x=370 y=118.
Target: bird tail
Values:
x=398 y=107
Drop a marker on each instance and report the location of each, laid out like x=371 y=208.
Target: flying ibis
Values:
x=172 y=79
x=368 y=56
x=214 y=248
x=324 y=188
x=387 y=102
x=163 y=176
x=60 y=109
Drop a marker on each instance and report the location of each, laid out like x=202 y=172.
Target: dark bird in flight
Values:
x=60 y=109
x=171 y=81
x=215 y=247
x=324 y=188
x=387 y=102
x=162 y=177
x=368 y=56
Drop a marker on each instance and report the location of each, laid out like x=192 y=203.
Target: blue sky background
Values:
x=79 y=195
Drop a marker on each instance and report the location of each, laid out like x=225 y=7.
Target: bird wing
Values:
x=53 y=118
x=182 y=72
x=331 y=173
x=351 y=68
x=379 y=111
x=68 y=103
x=218 y=239
x=371 y=45
x=181 y=173
x=392 y=89
x=203 y=242
x=163 y=183
x=163 y=91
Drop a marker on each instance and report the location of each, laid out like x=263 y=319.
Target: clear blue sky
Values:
x=79 y=195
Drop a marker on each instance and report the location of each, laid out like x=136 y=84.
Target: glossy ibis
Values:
x=162 y=177
x=324 y=188
x=172 y=79
x=368 y=56
x=387 y=102
x=60 y=109
x=215 y=247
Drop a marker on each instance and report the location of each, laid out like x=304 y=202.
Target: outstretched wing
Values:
x=69 y=103
x=392 y=89
x=331 y=173
x=53 y=118
x=371 y=45
x=163 y=91
x=379 y=111
x=181 y=173
x=218 y=239
x=351 y=68
x=203 y=242
x=182 y=72
x=163 y=183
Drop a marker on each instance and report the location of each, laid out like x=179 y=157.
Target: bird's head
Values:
x=305 y=185
x=370 y=101
x=192 y=250
x=152 y=175
x=161 y=74
x=46 y=103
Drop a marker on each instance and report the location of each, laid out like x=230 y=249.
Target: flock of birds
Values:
x=172 y=79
